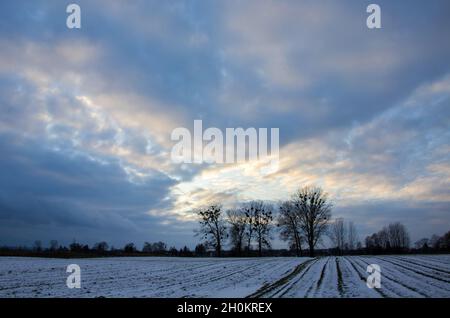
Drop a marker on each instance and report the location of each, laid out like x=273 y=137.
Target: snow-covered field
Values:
x=401 y=276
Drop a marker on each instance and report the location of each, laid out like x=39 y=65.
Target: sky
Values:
x=86 y=114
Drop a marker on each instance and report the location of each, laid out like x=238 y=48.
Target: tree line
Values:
x=394 y=238
x=100 y=249
x=302 y=222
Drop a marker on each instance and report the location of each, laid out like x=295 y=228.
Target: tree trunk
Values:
x=218 y=249
x=300 y=248
x=311 y=249
x=239 y=248
x=298 y=245
x=260 y=247
x=249 y=241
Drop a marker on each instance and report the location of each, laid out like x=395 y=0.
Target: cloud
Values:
x=320 y=64
x=74 y=192
x=87 y=114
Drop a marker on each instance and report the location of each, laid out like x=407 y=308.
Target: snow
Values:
x=401 y=276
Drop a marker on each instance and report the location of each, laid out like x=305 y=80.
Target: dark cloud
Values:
x=72 y=194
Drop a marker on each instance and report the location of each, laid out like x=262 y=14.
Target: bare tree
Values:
x=393 y=237
x=314 y=212
x=212 y=226
x=248 y=211
x=435 y=241
x=370 y=241
x=37 y=246
x=238 y=225
x=359 y=245
x=54 y=245
x=421 y=244
x=383 y=238
x=160 y=247
x=101 y=246
x=290 y=231
x=147 y=248
x=446 y=241
x=337 y=234
x=129 y=248
x=398 y=236
x=157 y=247
x=249 y=235
x=260 y=219
x=352 y=236
x=200 y=250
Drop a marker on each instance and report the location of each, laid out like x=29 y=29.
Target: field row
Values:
x=401 y=276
